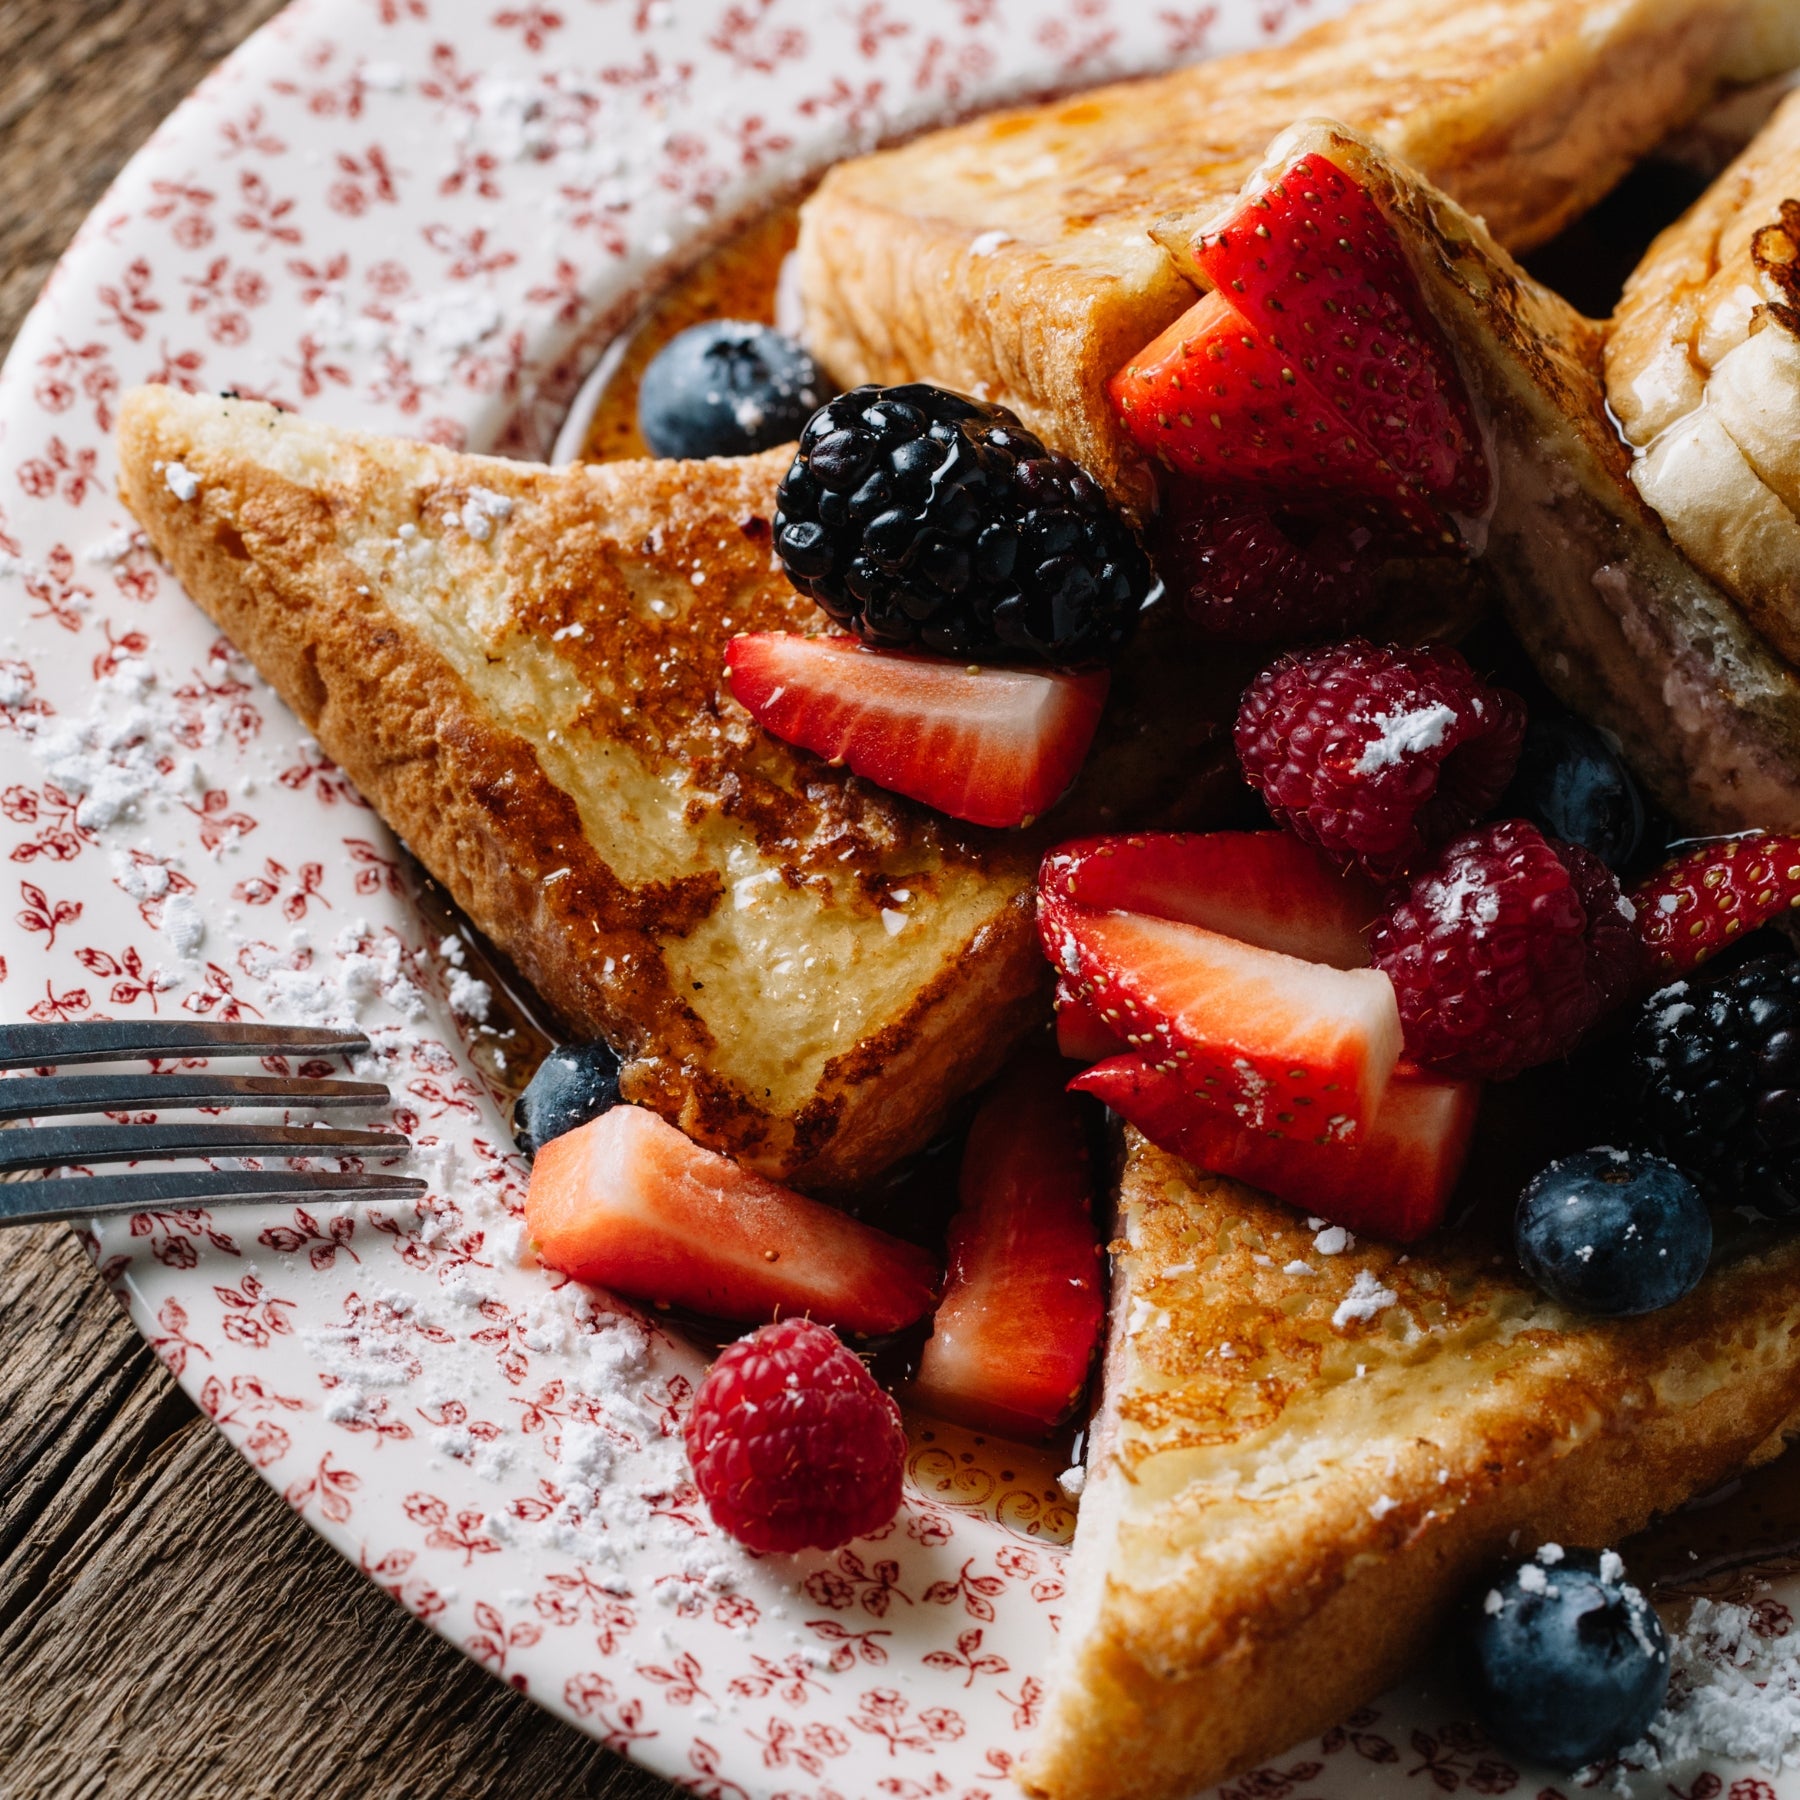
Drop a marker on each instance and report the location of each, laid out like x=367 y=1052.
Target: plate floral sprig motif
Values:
x=426 y=217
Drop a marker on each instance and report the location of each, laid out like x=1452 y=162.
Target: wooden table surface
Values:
x=168 y=1629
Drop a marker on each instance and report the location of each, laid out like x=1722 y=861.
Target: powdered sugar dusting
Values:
x=1401 y=734
x=1734 y=1691
x=1367 y=1299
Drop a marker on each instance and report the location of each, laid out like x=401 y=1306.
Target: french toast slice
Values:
x=1703 y=372
x=1302 y=1461
x=522 y=669
x=1023 y=257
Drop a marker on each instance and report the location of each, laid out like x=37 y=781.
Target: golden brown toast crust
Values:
x=1016 y=257
x=1277 y=1531
x=296 y=544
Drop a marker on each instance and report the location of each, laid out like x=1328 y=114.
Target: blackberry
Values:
x=1719 y=1064
x=923 y=520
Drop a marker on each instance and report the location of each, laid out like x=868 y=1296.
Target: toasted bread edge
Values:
x=1276 y=1628
x=258 y=552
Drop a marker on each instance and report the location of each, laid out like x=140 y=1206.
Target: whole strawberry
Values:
x=793 y=1445
x=1378 y=756
x=1504 y=951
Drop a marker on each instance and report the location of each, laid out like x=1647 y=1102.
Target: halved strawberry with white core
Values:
x=1260 y=887
x=1395 y=1180
x=988 y=745
x=1314 y=367
x=1216 y=400
x=1083 y=1033
x=1015 y=1331
x=1283 y=1045
x=632 y=1204
x=1313 y=268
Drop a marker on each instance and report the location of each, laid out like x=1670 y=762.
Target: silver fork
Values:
x=123 y=1040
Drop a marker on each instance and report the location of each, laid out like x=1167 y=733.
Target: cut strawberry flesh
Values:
x=1313 y=370
x=1395 y=1181
x=1083 y=1033
x=1316 y=272
x=1261 y=887
x=1219 y=403
x=1282 y=1045
x=632 y=1204
x=1015 y=1332
x=991 y=746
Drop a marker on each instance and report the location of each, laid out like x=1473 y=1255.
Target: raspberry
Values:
x=1504 y=951
x=1247 y=571
x=1378 y=756
x=793 y=1445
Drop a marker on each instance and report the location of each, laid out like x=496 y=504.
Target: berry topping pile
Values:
x=727 y=387
x=923 y=520
x=1311 y=412
x=1719 y=1063
x=793 y=1445
x=1568 y=1661
x=1613 y=1232
x=1692 y=907
x=1378 y=756
x=1503 y=951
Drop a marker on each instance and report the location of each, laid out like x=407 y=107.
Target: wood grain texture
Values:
x=169 y=1630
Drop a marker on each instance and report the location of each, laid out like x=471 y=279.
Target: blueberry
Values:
x=727 y=388
x=574 y=1083
x=1613 y=1232
x=1572 y=784
x=1569 y=1663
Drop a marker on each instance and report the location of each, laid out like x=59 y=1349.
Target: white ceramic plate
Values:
x=428 y=217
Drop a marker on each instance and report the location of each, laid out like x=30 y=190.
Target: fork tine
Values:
x=119 y=1040
x=56 y=1146
x=38 y=1097
x=82 y=1197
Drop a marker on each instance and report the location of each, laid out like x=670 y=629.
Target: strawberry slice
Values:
x=1260 y=887
x=632 y=1204
x=988 y=745
x=1015 y=1332
x=1394 y=1181
x=1695 y=905
x=1283 y=1045
x=1315 y=271
x=1083 y=1033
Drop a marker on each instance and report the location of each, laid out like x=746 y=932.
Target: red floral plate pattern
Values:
x=426 y=217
